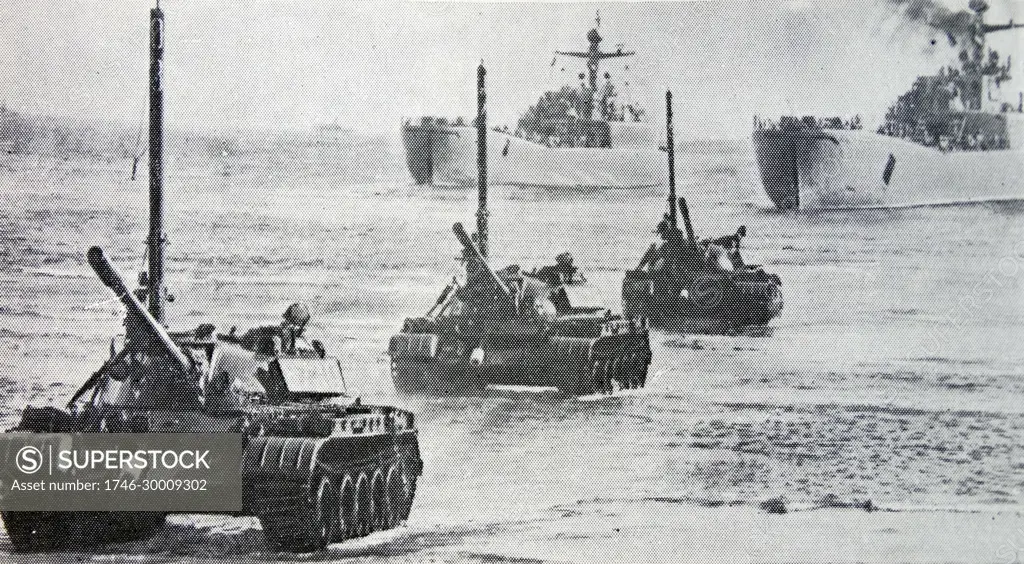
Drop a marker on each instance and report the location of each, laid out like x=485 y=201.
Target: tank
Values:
x=318 y=465
x=700 y=286
x=697 y=286
x=509 y=327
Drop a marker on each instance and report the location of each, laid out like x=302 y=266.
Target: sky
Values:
x=280 y=64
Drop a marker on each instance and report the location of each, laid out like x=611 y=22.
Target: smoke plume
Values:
x=956 y=25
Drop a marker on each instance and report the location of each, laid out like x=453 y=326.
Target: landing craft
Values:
x=586 y=136
x=954 y=137
x=509 y=327
x=318 y=465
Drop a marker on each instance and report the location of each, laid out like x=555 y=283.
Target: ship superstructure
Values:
x=956 y=136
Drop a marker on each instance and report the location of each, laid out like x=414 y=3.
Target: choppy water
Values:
x=893 y=375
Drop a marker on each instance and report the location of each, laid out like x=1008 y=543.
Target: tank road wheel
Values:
x=326 y=525
x=309 y=529
x=377 y=503
x=362 y=512
x=346 y=509
x=408 y=492
x=394 y=493
x=708 y=294
x=606 y=377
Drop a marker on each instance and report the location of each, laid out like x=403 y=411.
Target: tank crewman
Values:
x=731 y=244
x=562 y=272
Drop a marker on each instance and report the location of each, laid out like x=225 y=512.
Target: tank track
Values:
x=621 y=360
x=41 y=531
x=307 y=493
x=44 y=531
x=305 y=503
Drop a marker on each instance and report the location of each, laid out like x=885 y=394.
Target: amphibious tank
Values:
x=319 y=466
x=511 y=327
x=508 y=327
x=697 y=286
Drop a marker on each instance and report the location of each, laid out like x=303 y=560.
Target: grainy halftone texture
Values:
x=880 y=411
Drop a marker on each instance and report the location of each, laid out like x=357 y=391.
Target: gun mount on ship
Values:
x=318 y=465
x=697 y=286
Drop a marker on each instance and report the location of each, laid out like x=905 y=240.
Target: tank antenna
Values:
x=481 y=160
x=670 y=145
x=157 y=240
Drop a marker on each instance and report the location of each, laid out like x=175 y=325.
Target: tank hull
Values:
x=446 y=156
x=702 y=305
x=306 y=491
x=574 y=365
x=837 y=169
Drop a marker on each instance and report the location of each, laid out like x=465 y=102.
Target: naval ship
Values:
x=581 y=136
x=954 y=137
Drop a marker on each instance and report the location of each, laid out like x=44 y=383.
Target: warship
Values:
x=697 y=286
x=318 y=465
x=514 y=328
x=582 y=136
x=954 y=137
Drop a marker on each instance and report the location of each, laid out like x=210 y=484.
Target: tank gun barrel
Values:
x=472 y=251
x=989 y=28
x=112 y=279
x=685 y=210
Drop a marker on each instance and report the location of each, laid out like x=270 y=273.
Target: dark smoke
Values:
x=956 y=25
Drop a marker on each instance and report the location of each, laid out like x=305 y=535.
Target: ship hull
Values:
x=836 y=169
x=418 y=142
x=449 y=154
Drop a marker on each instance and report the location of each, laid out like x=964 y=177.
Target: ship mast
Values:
x=594 y=55
x=157 y=240
x=977 y=54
